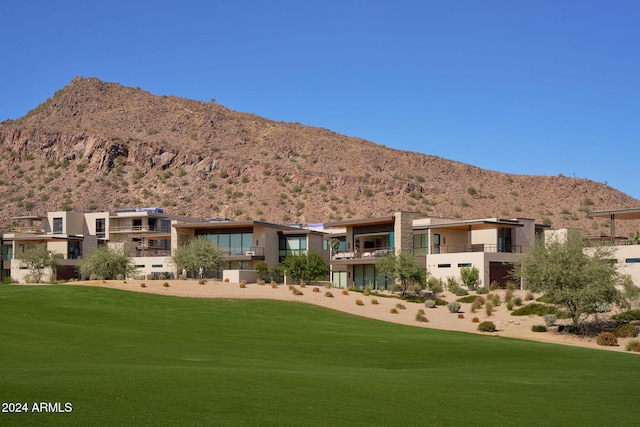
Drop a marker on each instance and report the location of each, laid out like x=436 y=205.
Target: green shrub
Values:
x=460 y=292
x=606 y=339
x=487 y=327
x=539 y=328
x=454 y=306
x=633 y=345
x=430 y=303
x=510 y=305
x=482 y=291
x=435 y=285
x=550 y=319
x=627 y=315
x=438 y=301
x=625 y=330
x=535 y=309
x=517 y=301
x=468 y=299
x=120 y=277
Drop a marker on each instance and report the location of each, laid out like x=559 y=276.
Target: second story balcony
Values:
x=369 y=253
x=479 y=247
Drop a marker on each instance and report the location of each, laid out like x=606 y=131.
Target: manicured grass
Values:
x=123 y=358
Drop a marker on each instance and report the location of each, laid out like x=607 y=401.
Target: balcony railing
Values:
x=30 y=230
x=137 y=229
x=479 y=247
x=243 y=251
x=148 y=253
x=368 y=253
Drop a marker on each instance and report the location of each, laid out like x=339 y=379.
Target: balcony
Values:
x=137 y=229
x=479 y=247
x=243 y=251
x=369 y=253
x=27 y=230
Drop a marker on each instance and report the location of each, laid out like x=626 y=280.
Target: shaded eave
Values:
x=471 y=225
x=358 y=222
x=235 y=224
x=631 y=213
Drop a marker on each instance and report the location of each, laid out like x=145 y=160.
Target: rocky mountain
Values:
x=97 y=145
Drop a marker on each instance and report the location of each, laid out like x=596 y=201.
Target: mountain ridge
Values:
x=97 y=145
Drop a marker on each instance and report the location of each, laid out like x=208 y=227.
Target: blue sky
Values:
x=536 y=87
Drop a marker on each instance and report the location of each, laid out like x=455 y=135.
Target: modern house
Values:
x=441 y=245
x=65 y=235
x=246 y=243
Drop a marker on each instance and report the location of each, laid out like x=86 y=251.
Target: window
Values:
x=444 y=265
x=632 y=260
x=101 y=228
x=420 y=244
x=464 y=264
x=234 y=243
x=436 y=243
x=156 y=265
x=292 y=246
x=57 y=225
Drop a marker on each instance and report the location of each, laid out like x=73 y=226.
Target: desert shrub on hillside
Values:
x=328 y=294
x=539 y=328
x=625 y=330
x=400 y=306
x=606 y=339
x=393 y=311
x=627 y=316
x=359 y=302
x=633 y=345
x=315 y=289
x=550 y=319
x=430 y=303
x=374 y=301
x=454 y=306
x=487 y=327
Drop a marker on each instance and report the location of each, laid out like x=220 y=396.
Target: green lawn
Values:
x=123 y=358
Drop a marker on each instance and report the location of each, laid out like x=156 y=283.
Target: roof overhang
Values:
x=234 y=224
x=471 y=225
x=631 y=213
x=359 y=222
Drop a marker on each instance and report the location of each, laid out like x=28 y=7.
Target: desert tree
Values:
x=37 y=258
x=404 y=270
x=106 y=262
x=196 y=254
x=575 y=277
x=305 y=267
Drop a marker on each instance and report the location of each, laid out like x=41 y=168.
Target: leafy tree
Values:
x=404 y=270
x=263 y=269
x=38 y=259
x=107 y=263
x=575 y=277
x=305 y=267
x=470 y=276
x=198 y=253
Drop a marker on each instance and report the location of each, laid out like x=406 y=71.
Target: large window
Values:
x=367 y=275
x=292 y=246
x=57 y=225
x=420 y=244
x=234 y=243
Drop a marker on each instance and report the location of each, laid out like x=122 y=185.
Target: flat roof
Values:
x=482 y=224
x=628 y=213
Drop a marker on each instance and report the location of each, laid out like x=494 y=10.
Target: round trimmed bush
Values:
x=359 y=302
x=606 y=339
x=393 y=311
x=430 y=303
x=625 y=330
x=120 y=277
x=374 y=301
x=475 y=320
x=539 y=328
x=328 y=294
x=482 y=291
x=454 y=306
x=487 y=327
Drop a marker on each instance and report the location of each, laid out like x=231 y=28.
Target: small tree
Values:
x=263 y=270
x=38 y=259
x=198 y=253
x=107 y=263
x=403 y=269
x=470 y=276
x=305 y=267
x=574 y=277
